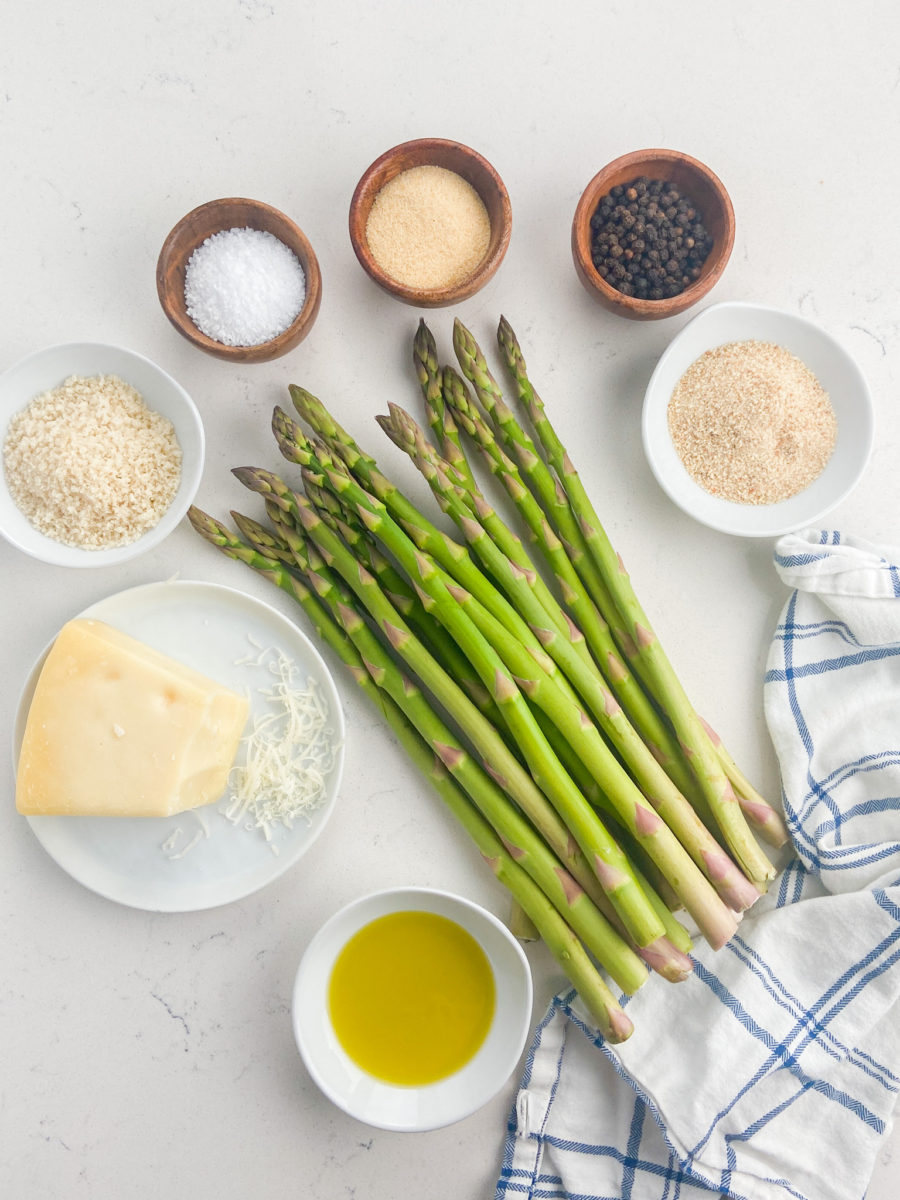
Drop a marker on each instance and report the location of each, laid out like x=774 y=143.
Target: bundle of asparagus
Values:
x=573 y=757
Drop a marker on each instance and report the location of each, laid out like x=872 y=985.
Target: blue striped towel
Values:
x=773 y=1071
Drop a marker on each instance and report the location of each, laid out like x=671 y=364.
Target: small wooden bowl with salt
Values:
x=438 y=235
x=238 y=214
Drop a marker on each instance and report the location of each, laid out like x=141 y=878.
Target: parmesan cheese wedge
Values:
x=117 y=729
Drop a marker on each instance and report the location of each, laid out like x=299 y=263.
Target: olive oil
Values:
x=411 y=997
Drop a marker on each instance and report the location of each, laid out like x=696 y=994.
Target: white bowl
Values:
x=390 y=1106
x=48 y=369
x=833 y=367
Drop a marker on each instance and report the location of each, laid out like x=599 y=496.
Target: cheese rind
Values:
x=117 y=729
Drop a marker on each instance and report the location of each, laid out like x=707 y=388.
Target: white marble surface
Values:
x=148 y=1056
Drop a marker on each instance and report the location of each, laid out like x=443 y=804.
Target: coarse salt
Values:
x=243 y=287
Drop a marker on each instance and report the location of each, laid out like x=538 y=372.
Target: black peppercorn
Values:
x=648 y=240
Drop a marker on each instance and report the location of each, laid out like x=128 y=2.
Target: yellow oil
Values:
x=411 y=997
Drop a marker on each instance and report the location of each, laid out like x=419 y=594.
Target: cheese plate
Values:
x=201 y=858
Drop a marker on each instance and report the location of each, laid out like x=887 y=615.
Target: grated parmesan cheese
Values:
x=289 y=753
x=169 y=846
x=188 y=847
x=90 y=465
x=171 y=841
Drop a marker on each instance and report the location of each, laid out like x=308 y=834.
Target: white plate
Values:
x=390 y=1106
x=833 y=367
x=50 y=367
x=207 y=627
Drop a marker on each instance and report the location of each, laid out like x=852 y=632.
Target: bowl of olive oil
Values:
x=411 y=1008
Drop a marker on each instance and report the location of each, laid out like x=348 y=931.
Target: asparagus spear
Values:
x=717 y=924
x=649 y=655
x=519 y=924
x=760 y=815
x=439 y=416
x=675 y=811
x=545 y=488
x=424 y=535
x=605 y=652
x=715 y=920
x=767 y=822
x=518 y=836
x=451 y=556
x=668 y=955
x=400 y=594
x=499 y=761
x=456 y=464
x=407 y=435
x=604 y=856
x=560 y=939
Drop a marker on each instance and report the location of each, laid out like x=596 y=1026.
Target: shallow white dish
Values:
x=210 y=628
x=832 y=366
x=49 y=368
x=389 y=1106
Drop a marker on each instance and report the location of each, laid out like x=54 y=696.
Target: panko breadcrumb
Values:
x=90 y=465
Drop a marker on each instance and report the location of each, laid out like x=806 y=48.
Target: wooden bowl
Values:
x=433 y=152
x=694 y=180
x=235 y=213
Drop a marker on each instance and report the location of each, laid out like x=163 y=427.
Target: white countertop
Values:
x=152 y=1055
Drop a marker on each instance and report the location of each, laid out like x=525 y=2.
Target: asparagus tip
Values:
x=201 y=521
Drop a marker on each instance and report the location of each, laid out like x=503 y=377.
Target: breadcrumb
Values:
x=90 y=465
x=428 y=228
x=751 y=423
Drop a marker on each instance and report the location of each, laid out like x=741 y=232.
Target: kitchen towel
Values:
x=772 y=1072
